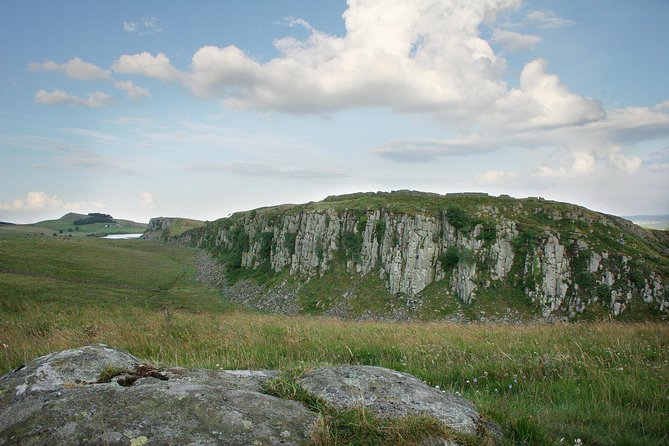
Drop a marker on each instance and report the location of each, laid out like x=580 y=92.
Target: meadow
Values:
x=600 y=383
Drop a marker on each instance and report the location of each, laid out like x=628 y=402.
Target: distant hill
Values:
x=407 y=255
x=650 y=221
x=67 y=224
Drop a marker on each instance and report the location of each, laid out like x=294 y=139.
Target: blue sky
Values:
x=204 y=108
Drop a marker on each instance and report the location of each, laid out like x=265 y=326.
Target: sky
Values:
x=203 y=108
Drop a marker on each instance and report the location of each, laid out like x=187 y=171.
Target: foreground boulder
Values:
x=391 y=394
x=99 y=395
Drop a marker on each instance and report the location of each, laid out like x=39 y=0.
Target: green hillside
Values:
x=413 y=255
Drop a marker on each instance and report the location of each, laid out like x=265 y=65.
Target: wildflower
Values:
x=578 y=442
x=510 y=386
x=467 y=381
x=515 y=380
x=475 y=380
x=436 y=387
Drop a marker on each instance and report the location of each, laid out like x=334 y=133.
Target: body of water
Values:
x=122 y=236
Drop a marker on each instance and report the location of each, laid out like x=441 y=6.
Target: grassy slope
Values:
x=603 y=383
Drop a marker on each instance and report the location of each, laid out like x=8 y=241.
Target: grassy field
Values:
x=602 y=383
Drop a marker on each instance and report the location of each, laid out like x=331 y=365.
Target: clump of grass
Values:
x=109 y=373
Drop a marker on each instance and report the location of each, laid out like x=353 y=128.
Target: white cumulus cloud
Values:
x=145 y=26
x=146 y=200
x=131 y=89
x=74 y=68
x=146 y=64
x=513 y=41
x=547 y=19
x=77 y=69
x=97 y=99
x=498 y=177
x=40 y=201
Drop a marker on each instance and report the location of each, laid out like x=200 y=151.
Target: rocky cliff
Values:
x=162 y=228
x=444 y=253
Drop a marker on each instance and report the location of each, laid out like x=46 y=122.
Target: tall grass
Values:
x=605 y=383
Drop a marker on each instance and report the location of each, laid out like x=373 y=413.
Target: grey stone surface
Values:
x=390 y=394
x=97 y=395
x=54 y=400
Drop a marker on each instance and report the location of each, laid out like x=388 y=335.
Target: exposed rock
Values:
x=56 y=400
x=543 y=248
x=391 y=394
x=99 y=395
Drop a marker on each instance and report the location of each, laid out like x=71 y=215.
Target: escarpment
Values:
x=558 y=259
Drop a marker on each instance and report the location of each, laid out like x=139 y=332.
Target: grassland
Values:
x=605 y=383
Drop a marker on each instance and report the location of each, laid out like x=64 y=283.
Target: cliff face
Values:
x=162 y=228
x=565 y=259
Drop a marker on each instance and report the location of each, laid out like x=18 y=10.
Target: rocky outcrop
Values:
x=99 y=395
x=393 y=394
x=564 y=258
x=164 y=228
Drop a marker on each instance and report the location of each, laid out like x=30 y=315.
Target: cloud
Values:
x=130 y=120
x=427 y=57
x=74 y=68
x=131 y=89
x=425 y=149
x=418 y=56
x=98 y=136
x=146 y=64
x=513 y=41
x=97 y=99
x=542 y=101
x=146 y=200
x=145 y=26
x=573 y=165
x=547 y=19
x=82 y=159
x=262 y=170
x=78 y=69
x=39 y=200
x=498 y=177
x=580 y=145
x=622 y=162
x=33 y=201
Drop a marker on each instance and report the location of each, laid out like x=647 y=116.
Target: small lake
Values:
x=122 y=236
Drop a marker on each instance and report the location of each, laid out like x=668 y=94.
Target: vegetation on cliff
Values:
x=446 y=256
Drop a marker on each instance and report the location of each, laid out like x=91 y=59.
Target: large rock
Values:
x=390 y=394
x=57 y=400
x=97 y=395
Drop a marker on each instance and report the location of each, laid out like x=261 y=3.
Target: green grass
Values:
x=605 y=383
